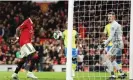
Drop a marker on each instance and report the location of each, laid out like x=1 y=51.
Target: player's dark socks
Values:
x=32 y=65
x=20 y=64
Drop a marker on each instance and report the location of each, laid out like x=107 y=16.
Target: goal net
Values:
x=90 y=18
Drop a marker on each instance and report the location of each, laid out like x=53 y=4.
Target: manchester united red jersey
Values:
x=26 y=32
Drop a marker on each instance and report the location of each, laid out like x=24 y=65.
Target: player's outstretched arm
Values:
x=17 y=32
x=22 y=26
x=16 y=36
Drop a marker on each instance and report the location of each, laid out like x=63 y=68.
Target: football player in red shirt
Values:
x=27 y=50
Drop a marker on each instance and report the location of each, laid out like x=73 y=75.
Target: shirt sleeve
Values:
x=23 y=25
x=30 y=21
x=113 y=29
x=63 y=35
x=105 y=30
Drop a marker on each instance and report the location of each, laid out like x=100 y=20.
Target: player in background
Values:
x=107 y=33
x=24 y=34
x=117 y=45
x=74 y=48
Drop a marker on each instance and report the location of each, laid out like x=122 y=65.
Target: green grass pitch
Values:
x=59 y=76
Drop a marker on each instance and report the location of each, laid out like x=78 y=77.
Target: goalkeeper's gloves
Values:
x=101 y=46
x=105 y=43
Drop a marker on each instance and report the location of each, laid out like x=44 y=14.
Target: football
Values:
x=57 y=34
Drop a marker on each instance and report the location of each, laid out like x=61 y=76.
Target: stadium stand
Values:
x=51 y=18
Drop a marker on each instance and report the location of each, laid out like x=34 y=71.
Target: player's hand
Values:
x=101 y=46
x=102 y=41
x=105 y=43
x=14 y=40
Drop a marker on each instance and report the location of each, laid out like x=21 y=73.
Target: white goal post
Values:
x=69 y=47
x=131 y=43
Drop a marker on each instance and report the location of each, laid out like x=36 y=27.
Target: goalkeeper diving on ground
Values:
x=114 y=45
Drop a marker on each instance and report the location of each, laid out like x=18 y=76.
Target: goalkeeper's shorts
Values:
x=108 y=48
x=74 y=52
x=114 y=51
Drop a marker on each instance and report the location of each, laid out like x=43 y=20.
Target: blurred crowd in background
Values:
x=89 y=18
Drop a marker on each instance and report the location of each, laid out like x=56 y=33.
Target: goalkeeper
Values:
x=115 y=38
x=74 y=49
x=118 y=56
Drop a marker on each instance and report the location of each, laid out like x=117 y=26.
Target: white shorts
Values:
x=26 y=50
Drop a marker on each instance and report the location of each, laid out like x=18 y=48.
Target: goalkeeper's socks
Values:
x=109 y=65
x=114 y=63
